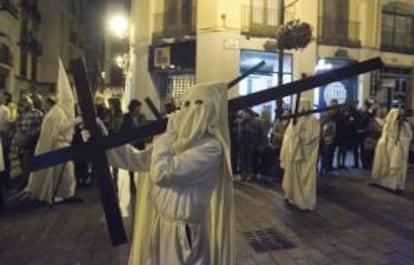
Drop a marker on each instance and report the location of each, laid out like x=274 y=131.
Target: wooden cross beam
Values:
x=153 y=109
x=95 y=148
x=85 y=150
x=100 y=166
x=313 y=111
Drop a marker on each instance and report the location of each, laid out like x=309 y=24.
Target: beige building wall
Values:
x=219 y=39
x=54 y=34
x=140 y=82
x=304 y=61
x=10 y=36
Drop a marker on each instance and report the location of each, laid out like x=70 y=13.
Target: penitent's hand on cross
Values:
x=95 y=148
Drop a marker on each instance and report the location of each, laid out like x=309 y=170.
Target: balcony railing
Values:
x=338 y=32
x=8 y=6
x=400 y=42
x=175 y=22
x=259 y=21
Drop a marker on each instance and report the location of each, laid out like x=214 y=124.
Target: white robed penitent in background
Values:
x=56 y=132
x=391 y=153
x=298 y=158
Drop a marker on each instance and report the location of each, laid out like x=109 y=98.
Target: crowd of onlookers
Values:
x=256 y=141
x=20 y=125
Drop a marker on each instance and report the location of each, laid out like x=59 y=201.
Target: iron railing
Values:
x=338 y=32
x=175 y=22
x=259 y=21
x=8 y=6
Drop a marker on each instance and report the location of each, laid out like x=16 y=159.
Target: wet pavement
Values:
x=353 y=224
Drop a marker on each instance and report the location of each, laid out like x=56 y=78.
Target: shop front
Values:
x=343 y=91
x=265 y=77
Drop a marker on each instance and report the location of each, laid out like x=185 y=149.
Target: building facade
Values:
x=9 y=48
x=175 y=43
x=70 y=29
x=34 y=34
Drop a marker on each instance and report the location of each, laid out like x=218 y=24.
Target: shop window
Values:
x=266 y=76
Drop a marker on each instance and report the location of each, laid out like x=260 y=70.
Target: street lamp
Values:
x=118 y=25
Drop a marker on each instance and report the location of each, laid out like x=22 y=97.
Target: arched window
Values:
x=397 y=32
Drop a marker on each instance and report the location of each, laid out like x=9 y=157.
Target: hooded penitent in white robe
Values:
x=298 y=158
x=391 y=153
x=184 y=209
x=56 y=132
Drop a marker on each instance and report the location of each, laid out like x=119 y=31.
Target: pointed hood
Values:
x=205 y=110
x=65 y=98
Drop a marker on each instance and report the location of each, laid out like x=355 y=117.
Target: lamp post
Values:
x=118 y=26
x=281 y=21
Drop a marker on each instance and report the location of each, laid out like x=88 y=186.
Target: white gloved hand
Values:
x=85 y=135
x=77 y=120
x=101 y=126
x=170 y=127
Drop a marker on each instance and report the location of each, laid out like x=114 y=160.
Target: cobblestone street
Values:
x=353 y=224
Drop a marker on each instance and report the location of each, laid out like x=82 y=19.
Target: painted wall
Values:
x=218 y=31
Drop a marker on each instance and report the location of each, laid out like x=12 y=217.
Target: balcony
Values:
x=338 y=32
x=175 y=23
x=5 y=55
x=397 y=41
x=8 y=6
x=259 y=21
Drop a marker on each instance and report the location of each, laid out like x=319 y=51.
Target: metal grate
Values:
x=177 y=85
x=267 y=240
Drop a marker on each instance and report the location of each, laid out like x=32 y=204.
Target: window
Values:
x=264 y=12
x=397 y=32
x=178 y=12
x=5 y=56
x=23 y=63
x=266 y=76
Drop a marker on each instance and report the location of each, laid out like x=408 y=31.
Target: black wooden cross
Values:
x=95 y=151
x=95 y=148
x=100 y=165
x=320 y=110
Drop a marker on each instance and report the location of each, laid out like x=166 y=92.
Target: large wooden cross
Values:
x=95 y=148
x=320 y=110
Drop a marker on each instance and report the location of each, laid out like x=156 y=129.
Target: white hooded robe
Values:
x=184 y=209
x=298 y=158
x=56 y=132
x=391 y=154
